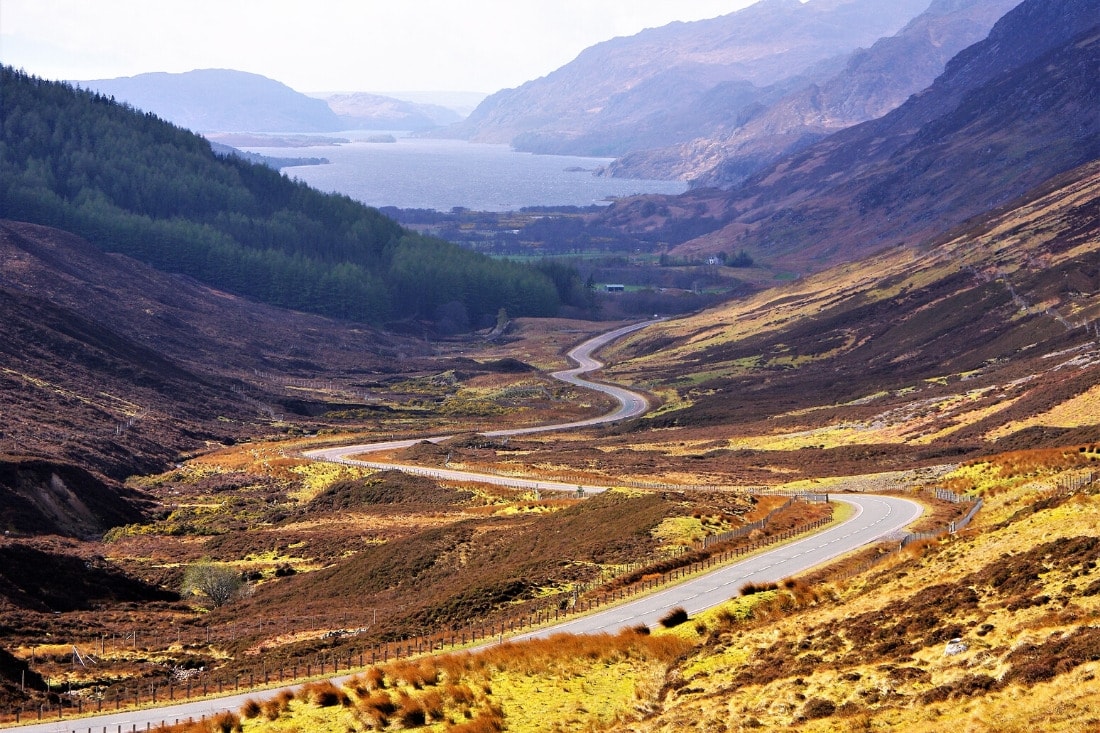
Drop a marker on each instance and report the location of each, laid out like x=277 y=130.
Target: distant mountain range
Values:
x=872 y=82
x=1007 y=114
x=220 y=100
x=224 y=100
x=668 y=85
x=360 y=110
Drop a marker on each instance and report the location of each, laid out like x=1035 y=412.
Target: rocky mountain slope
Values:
x=1007 y=114
x=650 y=89
x=873 y=82
x=981 y=340
x=221 y=100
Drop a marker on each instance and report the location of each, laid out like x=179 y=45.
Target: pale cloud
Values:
x=328 y=45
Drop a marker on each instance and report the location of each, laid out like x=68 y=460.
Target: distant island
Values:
x=380 y=139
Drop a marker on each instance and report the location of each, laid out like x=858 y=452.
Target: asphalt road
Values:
x=874 y=518
x=629 y=404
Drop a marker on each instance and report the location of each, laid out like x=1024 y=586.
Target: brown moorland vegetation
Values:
x=971 y=628
x=905 y=372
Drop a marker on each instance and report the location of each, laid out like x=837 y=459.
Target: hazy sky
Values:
x=328 y=45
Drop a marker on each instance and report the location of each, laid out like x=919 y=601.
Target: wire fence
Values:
x=168 y=685
x=909 y=538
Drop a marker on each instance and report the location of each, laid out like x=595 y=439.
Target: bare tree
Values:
x=219 y=583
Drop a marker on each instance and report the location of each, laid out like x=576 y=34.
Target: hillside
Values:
x=134 y=184
x=220 y=100
x=882 y=375
x=360 y=110
x=941 y=342
x=989 y=630
x=957 y=366
x=873 y=81
x=991 y=127
x=985 y=338
x=111 y=369
x=651 y=89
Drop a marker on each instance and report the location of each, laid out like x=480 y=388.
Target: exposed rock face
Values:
x=1007 y=114
x=873 y=82
x=663 y=85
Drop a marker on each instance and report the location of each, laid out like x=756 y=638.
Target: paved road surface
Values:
x=875 y=517
x=630 y=404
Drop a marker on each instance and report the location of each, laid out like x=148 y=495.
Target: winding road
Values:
x=873 y=518
x=629 y=404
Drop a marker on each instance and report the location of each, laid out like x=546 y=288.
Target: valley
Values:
x=813 y=445
x=325 y=545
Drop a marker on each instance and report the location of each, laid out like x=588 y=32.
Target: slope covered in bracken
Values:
x=983 y=340
x=973 y=364
x=996 y=628
x=117 y=368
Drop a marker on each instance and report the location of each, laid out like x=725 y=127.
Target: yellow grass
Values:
x=1064 y=704
x=1084 y=409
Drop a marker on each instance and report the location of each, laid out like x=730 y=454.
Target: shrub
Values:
x=324 y=695
x=749 y=589
x=277 y=705
x=375 y=678
x=818 y=707
x=412 y=714
x=379 y=702
x=219 y=583
x=225 y=723
x=460 y=694
x=432 y=703
x=490 y=719
x=250 y=709
x=674 y=618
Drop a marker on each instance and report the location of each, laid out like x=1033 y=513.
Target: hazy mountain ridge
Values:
x=221 y=100
x=360 y=110
x=225 y=100
x=635 y=82
x=1008 y=113
x=872 y=82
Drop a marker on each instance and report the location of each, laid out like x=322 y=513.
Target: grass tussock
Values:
x=510 y=686
x=323 y=695
x=225 y=722
x=674 y=618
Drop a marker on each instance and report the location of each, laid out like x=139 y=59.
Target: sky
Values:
x=328 y=45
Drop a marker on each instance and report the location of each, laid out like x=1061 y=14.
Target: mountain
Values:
x=1007 y=113
x=115 y=367
x=376 y=112
x=1002 y=308
x=645 y=90
x=221 y=100
x=132 y=183
x=873 y=82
